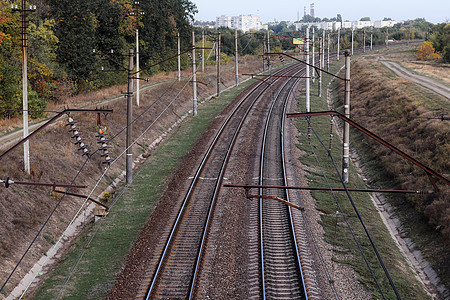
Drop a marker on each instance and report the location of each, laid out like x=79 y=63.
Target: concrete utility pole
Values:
x=328 y=53
x=323 y=50
x=24 y=25
x=236 y=56
x=264 y=57
x=179 y=58
x=387 y=37
x=138 y=14
x=218 y=63
x=308 y=105
x=371 y=34
x=313 y=63
x=319 y=90
x=129 y=160
x=203 y=51
x=346 y=149
x=364 y=40
x=194 y=75
x=338 y=38
x=137 y=66
x=268 y=48
x=353 y=29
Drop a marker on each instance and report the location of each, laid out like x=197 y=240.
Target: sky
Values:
x=435 y=11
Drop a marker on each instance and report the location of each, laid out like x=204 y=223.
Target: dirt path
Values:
x=422 y=80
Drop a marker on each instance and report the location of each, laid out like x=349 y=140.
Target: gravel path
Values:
x=429 y=83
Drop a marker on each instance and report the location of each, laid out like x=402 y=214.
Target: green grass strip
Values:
x=336 y=231
x=95 y=274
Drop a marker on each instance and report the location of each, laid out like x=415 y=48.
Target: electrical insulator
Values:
x=71 y=123
x=76 y=135
x=281 y=58
x=200 y=56
x=103 y=141
x=190 y=56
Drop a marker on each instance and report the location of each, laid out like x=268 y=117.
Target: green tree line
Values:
x=440 y=38
x=62 y=37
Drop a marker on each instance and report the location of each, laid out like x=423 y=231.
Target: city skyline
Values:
x=435 y=11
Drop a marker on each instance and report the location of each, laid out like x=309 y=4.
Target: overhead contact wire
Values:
x=360 y=219
x=93 y=235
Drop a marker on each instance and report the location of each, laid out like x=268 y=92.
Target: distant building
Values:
x=348 y=24
x=223 y=21
x=312 y=10
x=242 y=22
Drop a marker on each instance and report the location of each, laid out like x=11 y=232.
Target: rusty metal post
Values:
x=346 y=137
x=236 y=56
x=129 y=159
x=194 y=75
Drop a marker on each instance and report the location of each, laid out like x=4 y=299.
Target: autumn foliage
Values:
x=427 y=52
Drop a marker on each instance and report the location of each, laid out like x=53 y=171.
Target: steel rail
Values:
x=261 y=178
x=190 y=190
x=283 y=159
x=217 y=189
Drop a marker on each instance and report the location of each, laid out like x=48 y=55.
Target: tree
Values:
x=440 y=39
x=427 y=52
x=365 y=19
x=161 y=22
x=339 y=18
x=76 y=34
x=307 y=19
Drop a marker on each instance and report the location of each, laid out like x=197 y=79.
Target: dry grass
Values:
x=396 y=111
x=431 y=69
x=407 y=57
x=54 y=158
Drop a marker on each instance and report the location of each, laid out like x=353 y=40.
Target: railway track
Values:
x=175 y=275
x=176 y=271
x=185 y=264
x=282 y=275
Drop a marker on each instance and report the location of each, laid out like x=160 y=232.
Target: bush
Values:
x=36 y=105
x=427 y=52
